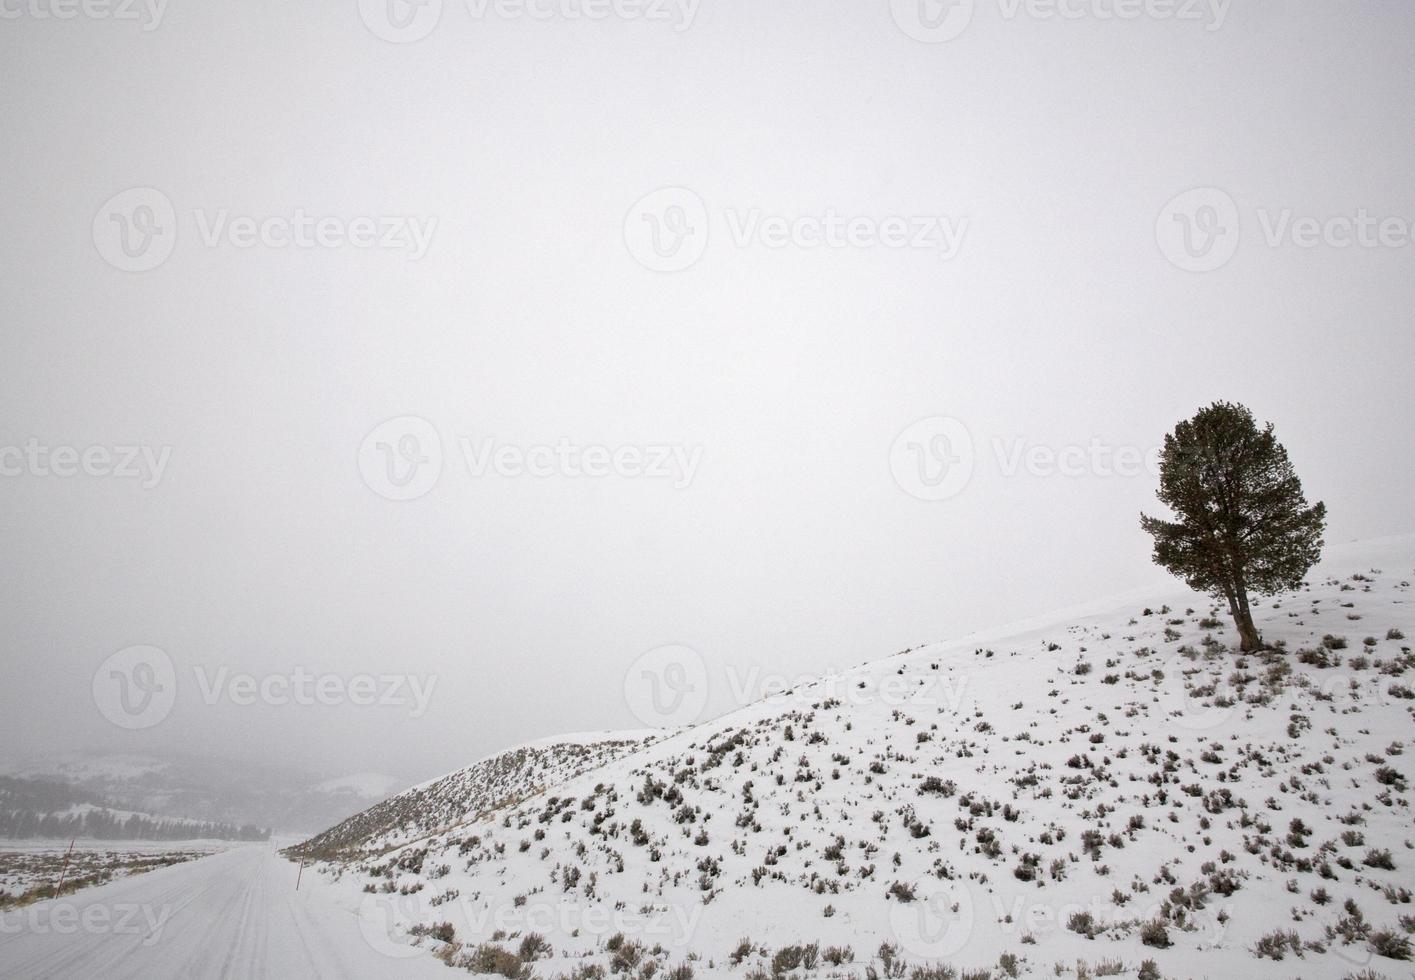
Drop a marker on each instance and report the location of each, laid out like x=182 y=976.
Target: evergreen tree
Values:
x=1242 y=524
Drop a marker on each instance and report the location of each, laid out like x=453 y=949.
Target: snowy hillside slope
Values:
x=1112 y=793
x=496 y=781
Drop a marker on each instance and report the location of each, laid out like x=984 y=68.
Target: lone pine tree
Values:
x=1242 y=523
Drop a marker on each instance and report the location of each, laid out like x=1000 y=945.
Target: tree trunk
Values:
x=1248 y=637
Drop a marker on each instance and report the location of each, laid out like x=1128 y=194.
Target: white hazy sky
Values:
x=1061 y=320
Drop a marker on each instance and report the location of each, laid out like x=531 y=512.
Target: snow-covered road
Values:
x=232 y=914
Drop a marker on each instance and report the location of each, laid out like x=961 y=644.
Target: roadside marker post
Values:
x=64 y=872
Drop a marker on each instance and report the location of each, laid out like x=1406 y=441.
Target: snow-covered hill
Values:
x=458 y=797
x=1110 y=793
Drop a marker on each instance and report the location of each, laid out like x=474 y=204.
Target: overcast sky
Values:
x=865 y=314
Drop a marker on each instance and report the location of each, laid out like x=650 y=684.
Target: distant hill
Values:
x=215 y=791
x=37 y=808
x=479 y=789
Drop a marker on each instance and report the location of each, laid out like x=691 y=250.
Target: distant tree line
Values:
x=35 y=808
x=108 y=825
